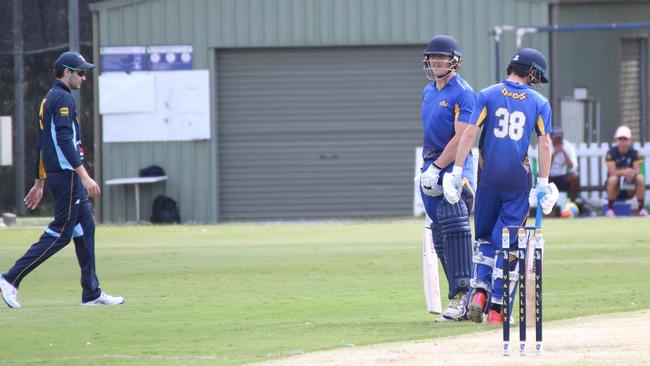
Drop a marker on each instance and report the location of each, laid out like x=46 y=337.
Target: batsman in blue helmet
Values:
x=508 y=113
x=447 y=104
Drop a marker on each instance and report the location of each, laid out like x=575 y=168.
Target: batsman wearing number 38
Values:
x=447 y=104
x=508 y=112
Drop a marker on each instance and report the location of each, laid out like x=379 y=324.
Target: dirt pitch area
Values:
x=614 y=339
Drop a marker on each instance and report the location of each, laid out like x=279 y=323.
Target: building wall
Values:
x=592 y=58
x=212 y=25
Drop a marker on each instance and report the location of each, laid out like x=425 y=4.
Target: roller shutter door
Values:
x=317 y=132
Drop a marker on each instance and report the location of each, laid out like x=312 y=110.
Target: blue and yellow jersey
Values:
x=626 y=160
x=508 y=113
x=440 y=110
x=59 y=140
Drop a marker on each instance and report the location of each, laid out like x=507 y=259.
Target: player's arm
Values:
x=544 y=145
x=463 y=111
x=449 y=153
x=465 y=145
x=451 y=183
x=549 y=192
x=638 y=161
x=613 y=170
x=544 y=152
x=573 y=158
x=63 y=121
x=64 y=127
x=35 y=194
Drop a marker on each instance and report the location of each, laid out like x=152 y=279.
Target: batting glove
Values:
x=429 y=181
x=550 y=197
x=452 y=185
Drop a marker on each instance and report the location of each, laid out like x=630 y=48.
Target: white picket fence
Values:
x=591 y=167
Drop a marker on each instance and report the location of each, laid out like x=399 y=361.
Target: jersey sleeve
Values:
x=638 y=157
x=609 y=156
x=479 y=114
x=63 y=120
x=465 y=106
x=543 y=125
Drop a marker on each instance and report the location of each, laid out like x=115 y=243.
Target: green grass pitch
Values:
x=237 y=293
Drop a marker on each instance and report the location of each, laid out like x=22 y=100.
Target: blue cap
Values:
x=72 y=60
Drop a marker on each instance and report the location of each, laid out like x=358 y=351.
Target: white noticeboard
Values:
x=155 y=106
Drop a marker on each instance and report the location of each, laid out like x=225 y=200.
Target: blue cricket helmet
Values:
x=446 y=46
x=530 y=59
x=443 y=45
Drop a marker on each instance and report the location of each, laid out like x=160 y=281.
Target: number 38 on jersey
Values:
x=511 y=124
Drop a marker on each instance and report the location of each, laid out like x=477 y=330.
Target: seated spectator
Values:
x=564 y=165
x=624 y=178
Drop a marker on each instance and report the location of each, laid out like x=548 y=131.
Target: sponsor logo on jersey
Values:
x=443 y=103
x=508 y=93
x=64 y=111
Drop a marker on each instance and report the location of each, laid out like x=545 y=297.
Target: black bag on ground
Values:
x=152 y=171
x=165 y=211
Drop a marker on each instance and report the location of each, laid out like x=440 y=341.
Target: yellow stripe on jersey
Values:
x=469 y=186
x=41 y=167
x=64 y=111
x=481 y=117
x=40 y=113
x=540 y=126
x=456 y=112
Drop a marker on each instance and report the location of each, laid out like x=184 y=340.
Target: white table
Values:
x=136 y=181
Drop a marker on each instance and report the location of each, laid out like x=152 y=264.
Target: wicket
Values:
x=524 y=234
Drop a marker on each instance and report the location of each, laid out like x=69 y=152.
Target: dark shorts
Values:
x=561 y=181
x=623 y=194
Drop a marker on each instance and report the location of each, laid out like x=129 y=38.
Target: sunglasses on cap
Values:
x=78 y=71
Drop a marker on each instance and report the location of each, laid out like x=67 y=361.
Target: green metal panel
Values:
x=315 y=142
x=214 y=24
x=597 y=67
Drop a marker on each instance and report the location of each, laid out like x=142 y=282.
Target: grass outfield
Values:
x=232 y=294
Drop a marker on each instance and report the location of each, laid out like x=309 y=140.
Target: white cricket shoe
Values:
x=9 y=293
x=456 y=310
x=104 y=299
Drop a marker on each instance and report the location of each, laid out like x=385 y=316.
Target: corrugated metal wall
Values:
x=208 y=25
x=318 y=132
x=592 y=59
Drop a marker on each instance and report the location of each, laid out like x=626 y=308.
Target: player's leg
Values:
x=84 y=246
x=453 y=222
x=57 y=234
x=485 y=215
x=513 y=212
x=640 y=194
x=613 y=190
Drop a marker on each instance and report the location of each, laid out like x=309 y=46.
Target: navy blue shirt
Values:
x=59 y=140
x=508 y=113
x=623 y=160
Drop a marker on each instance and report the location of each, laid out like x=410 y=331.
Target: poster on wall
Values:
x=123 y=58
x=155 y=106
x=170 y=57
